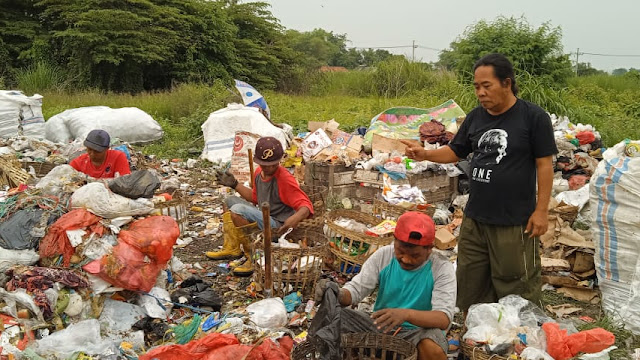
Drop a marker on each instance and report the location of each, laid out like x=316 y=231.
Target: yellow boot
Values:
x=231 y=245
x=246 y=268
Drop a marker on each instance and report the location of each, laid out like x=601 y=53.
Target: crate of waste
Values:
x=353 y=237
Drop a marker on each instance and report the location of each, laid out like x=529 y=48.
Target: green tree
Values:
x=262 y=52
x=619 y=71
x=19 y=27
x=132 y=45
x=536 y=51
x=585 y=69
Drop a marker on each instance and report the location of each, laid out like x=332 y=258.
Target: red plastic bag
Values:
x=590 y=341
x=562 y=346
x=585 y=137
x=142 y=252
x=154 y=236
x=222 y=346
x=56 y=242
x=193 y=350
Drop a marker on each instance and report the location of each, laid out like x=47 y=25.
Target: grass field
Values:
x=352 y=99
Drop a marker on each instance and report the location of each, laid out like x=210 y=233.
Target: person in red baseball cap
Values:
x=416 y=292
x=273 y=184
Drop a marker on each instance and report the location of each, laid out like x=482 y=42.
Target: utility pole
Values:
x=577 y=60
x=413 y=51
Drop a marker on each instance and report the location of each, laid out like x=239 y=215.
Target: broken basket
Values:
x=478 y=353
x=392 y=212
x=352 y=248
x=293 y=269
x=177 y=209
x=362 y=346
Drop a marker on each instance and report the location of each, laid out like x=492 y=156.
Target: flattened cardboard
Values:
x=550 y=265
x=387 y=145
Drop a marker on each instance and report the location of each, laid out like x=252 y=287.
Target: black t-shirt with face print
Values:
x=503 y=167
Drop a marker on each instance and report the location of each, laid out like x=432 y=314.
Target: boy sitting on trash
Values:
x=273 y=184
x=416 y=295
x=100 y=162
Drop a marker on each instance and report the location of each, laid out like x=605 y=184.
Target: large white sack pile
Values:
x=130 y=124
x=220 y=129
x=21 y=115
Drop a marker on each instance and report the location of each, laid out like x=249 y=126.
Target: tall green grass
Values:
x=41 y=77
x=353 y=98
x=608 y=82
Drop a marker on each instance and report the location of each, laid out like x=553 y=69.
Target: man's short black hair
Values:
x=502 y=68
x=413 y=235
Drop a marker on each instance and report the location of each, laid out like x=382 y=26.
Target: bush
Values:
x=41 y=77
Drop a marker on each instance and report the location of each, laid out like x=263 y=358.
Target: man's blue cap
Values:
x=98 y=140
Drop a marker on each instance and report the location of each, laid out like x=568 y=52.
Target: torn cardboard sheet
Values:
x=552 y=265
x=329 y=126
x=584 y=295
x=563 y=310
x=444 y=239
x=387 y=145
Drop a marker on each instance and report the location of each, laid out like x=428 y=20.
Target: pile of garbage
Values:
x=567 y=247
x=516 y=326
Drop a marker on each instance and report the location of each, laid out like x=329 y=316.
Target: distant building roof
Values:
x=333 y=69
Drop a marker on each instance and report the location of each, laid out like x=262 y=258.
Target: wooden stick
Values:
x=251 y=167
x=266 y=221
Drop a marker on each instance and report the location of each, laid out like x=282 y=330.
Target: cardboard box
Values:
x=314 y=143
x=444 y=239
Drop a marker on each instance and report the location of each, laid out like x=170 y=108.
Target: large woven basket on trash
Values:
x=293 y=269
x=41 y=168
x=362 y=346
x=318 y=197
x=352 y=248
x=177 y=209
x=388 y=211
x=478 y=353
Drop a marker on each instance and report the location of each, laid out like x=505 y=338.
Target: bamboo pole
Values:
x=251 y=168
x=268 y=269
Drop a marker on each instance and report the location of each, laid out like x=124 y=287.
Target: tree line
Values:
x=134 y=45
x=138 y=45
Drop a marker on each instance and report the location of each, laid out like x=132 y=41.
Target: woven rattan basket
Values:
x=177 y=209
x=387 y=211
x=294 y=269
x=318 y=197
x=41 y=168
x=352 y=248
x=478 y=353
x=362 y=346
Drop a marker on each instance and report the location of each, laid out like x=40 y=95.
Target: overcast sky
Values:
x=595 y=26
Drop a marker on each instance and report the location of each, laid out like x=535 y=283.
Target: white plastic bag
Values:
x=130 y=125
x=531 y=353
x=615 y=209
x=83 y=336
x=220 y=129
x=268 y=313
x=96 y=198
x=58 y=179
x=20 y=113
x=9 y=258
x=151 y=305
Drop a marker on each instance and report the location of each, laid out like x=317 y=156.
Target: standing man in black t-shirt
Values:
x=512 y=144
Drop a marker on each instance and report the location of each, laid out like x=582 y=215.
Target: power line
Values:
x=610 y=55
